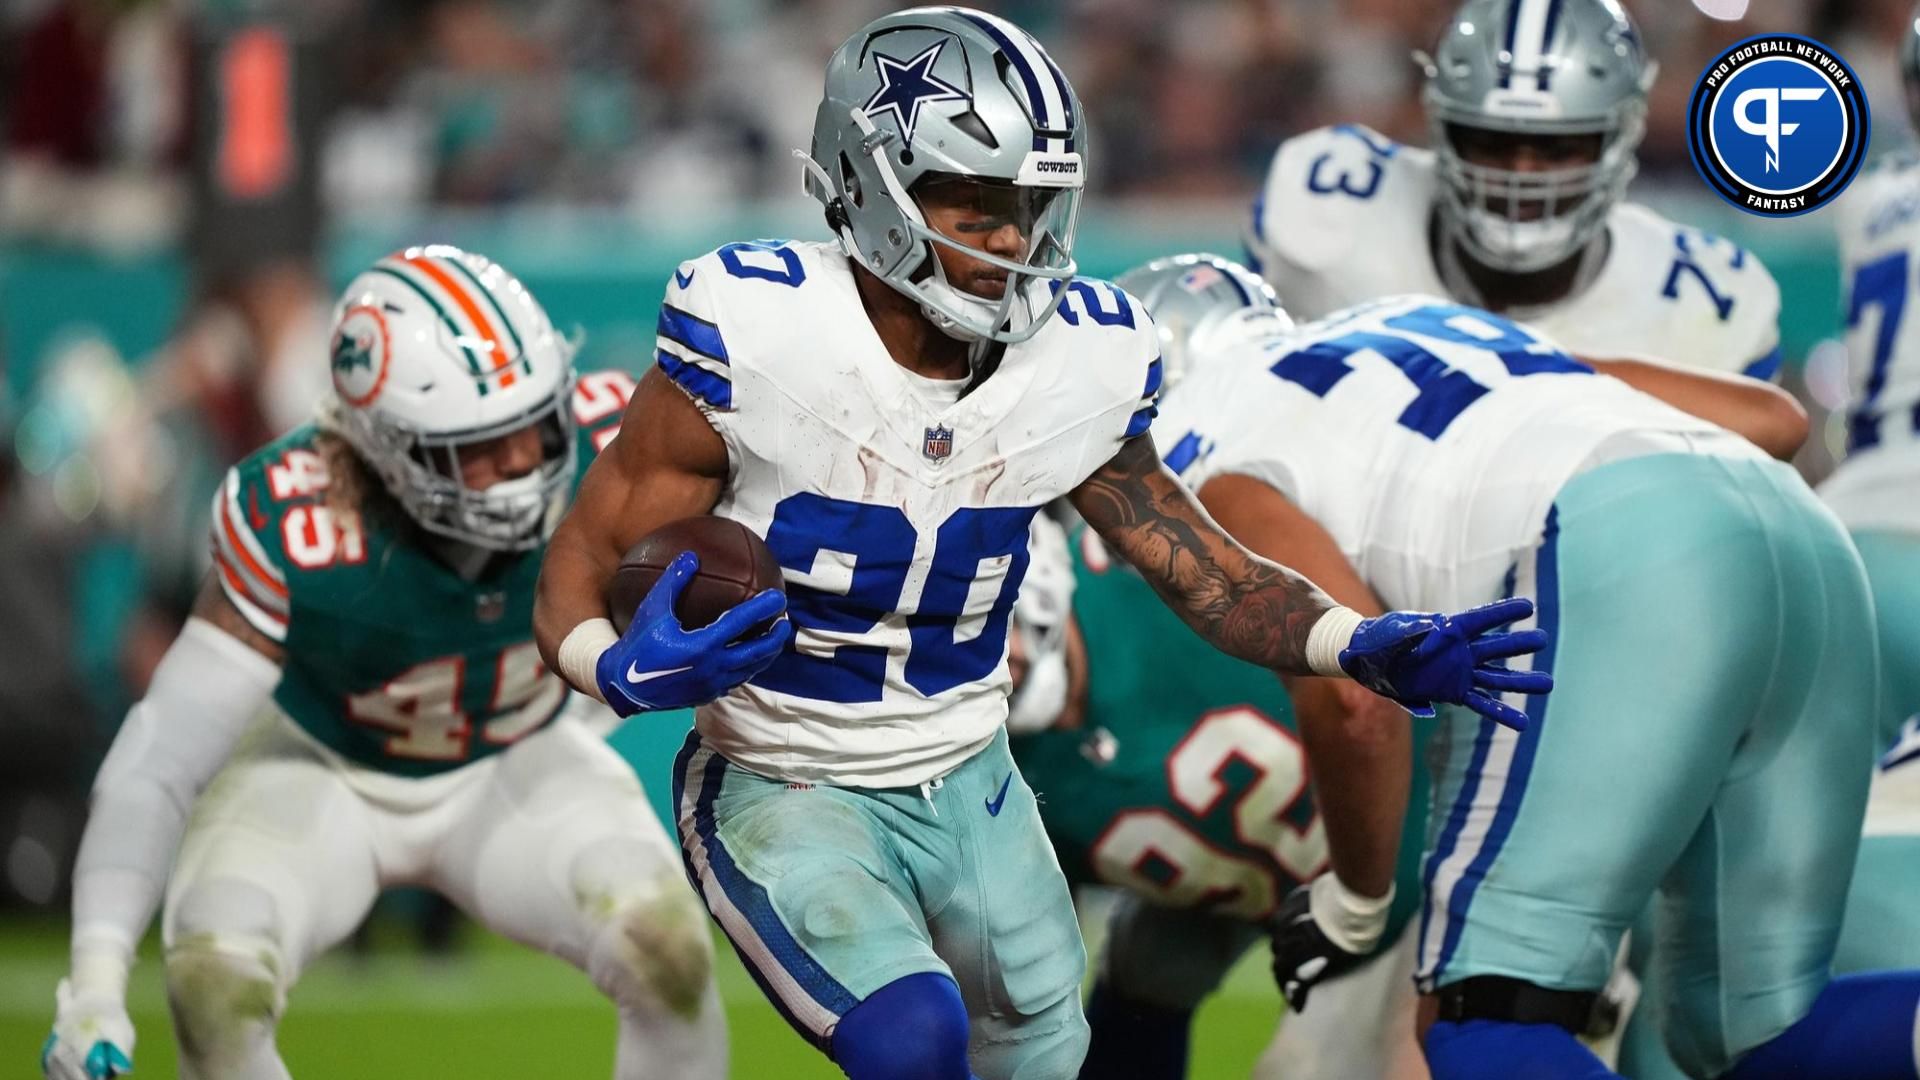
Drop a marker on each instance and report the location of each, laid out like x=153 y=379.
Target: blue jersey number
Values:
x=1683 y=263
x=1105 y=304
x=1323 y=180
x=788 y=272
x=879 y=542
x=1881 y=283
x=1444 y=392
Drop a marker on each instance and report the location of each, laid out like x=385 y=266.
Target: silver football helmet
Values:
x=1202 y=304
x=1535 y=68
x=945 y=92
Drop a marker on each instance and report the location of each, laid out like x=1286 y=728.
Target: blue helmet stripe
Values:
x=1513 y=28
x=1066 y=95
x=1546 y=43
x=1019 y=61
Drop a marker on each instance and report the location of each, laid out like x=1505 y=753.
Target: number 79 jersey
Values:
x=899 y=518
x=393 y=660
x=1428 y=438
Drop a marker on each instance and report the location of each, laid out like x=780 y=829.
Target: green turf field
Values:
x=495 y=1010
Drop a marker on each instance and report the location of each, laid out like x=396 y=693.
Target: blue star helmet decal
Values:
x=907 y=85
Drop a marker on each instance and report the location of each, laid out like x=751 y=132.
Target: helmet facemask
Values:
x=424 y=473
x=1524 y=220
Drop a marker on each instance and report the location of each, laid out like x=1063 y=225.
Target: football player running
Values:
x=1544 y=844
x=1534 y=108
x=359 y=674
x=890 y=409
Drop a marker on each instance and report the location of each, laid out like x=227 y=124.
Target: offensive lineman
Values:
x=891 y=410
x=372 y=588
x=1653 y=766
x=1534 y=108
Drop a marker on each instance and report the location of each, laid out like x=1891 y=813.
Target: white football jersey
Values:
x=1428 y=438
x=1878 y=485
x=900 y=520
x=1346 y=215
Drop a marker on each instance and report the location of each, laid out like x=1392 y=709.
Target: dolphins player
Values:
x=1659 y=763
x=891 y=409
x=1534 y=111
x=369 y=603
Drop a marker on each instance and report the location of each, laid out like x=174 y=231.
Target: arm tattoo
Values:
x=1244 y=605
x=212 y=605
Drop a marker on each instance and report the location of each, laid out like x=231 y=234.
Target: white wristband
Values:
x=1331 y=633
x=1349 y=920
x=100 y=965
x=579 y=655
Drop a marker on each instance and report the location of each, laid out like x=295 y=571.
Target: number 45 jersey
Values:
x=1346 y=215
x=898 y=511
x=1428 y=438
x=393 y=660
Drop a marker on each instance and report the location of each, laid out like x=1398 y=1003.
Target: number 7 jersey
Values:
x=393 y=660
x=898 y=515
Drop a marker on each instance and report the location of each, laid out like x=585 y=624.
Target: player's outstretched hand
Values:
x=659 y=664
x=1303 y=954
x=92 y=1037
x=1419 y=659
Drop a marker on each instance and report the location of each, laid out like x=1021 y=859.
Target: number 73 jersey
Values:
x=1346 y=216
x=392 y=659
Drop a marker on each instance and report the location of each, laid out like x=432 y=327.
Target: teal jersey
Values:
x=393 y=659
x=1188 y=783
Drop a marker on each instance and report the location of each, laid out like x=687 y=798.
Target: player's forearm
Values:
x=1246 y=606
x=1762 y=413
x=1361 y=751
x=571 y=592
x=206 y=692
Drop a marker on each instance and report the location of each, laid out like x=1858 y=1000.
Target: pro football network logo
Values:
x=1778 y=125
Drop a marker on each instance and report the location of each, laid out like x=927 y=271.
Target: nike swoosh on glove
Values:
x=92 y=1038
x=659 y=664
x=1418 y=659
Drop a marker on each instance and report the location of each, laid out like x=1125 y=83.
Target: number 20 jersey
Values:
x=1345 y=215
x=1428 y=438
x=900 y=520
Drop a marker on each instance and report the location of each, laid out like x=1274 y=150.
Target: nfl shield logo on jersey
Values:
x=939 y=443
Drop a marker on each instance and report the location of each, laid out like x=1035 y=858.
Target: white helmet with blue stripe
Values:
x=937 y=93
x=1535 y=70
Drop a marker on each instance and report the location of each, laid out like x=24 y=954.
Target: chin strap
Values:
x=822 y=188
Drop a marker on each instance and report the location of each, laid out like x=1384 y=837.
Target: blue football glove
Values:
x=658 y=664
x=1418 y=659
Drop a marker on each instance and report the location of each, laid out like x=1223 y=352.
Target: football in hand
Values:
x=734 y=565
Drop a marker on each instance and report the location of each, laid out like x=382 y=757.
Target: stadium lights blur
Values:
x=1728 y=10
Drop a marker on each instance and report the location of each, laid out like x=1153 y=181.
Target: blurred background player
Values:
x=891 y=410
x=1875 y=493
x=1534 y=110
x=1547 y=466
x=369 y=605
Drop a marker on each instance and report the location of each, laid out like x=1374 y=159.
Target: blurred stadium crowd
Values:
x=237 y=137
